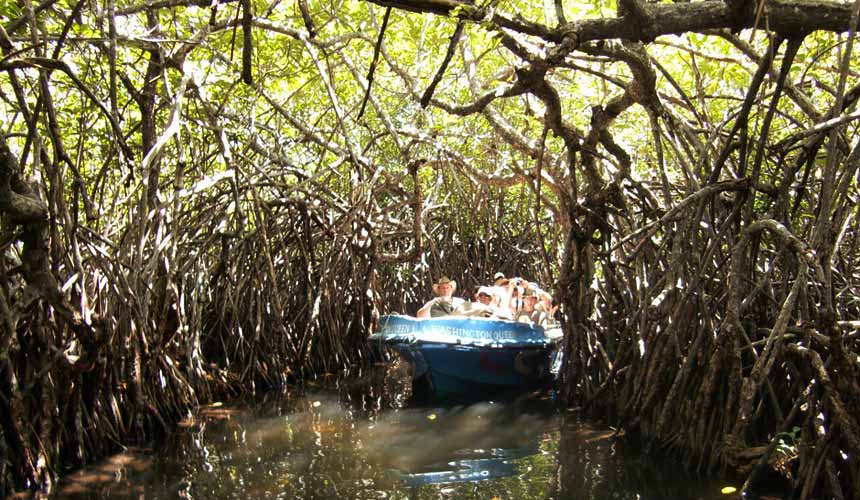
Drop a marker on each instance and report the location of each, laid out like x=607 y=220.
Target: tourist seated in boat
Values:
x=497 y=297
x=482 y=306
x=486 y=305
x=548 y=307
x=444 y=301
x=507 y=291
x=485 y=295
x=514 y=288
x=529 y=313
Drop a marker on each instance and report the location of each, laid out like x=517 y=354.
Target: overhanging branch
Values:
x=785 y=17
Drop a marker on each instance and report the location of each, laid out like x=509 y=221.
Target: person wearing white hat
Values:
x=491 y=297
x=482 y=307
x=444 y=303
x=485 y=295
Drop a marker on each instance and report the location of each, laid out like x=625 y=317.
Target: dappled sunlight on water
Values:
x=342 y=444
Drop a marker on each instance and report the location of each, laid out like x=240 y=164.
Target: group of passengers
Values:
x=507 y=298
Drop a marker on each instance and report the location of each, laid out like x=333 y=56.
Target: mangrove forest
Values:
x=204 y=199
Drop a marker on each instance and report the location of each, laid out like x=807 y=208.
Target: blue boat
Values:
x=470 y=356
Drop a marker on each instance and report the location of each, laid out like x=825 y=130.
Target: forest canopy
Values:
x=205 y=198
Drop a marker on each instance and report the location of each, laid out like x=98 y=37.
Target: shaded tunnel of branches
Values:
x=202 y=201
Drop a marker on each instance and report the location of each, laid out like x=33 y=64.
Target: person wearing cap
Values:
x=486 y=305
x=485 y=295
x=547 y=308
x=514 y=289
x=444 y=303
x=530 y=313
x=506 y=290
x=482 y=307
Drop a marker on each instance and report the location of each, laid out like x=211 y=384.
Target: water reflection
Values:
x=344 y=443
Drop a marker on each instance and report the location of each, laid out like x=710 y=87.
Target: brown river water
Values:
x=362 y=440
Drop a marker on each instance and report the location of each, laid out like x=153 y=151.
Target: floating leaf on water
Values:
x=431 y=416
x=217 y=404
x=728 y=490
x=317 y=404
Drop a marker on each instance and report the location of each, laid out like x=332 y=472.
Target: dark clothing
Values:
x=441 y=308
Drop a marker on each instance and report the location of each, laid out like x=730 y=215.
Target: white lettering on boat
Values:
x=389 y=329
x=404 y=329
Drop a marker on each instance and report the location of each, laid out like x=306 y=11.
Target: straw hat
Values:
x=444 y=280
x=530 y=292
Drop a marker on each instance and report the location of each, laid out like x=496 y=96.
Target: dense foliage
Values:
x=202 y=198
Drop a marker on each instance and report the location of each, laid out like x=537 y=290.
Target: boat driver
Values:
x=444 y=303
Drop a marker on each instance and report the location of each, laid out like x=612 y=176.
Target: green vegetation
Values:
x=201 y=199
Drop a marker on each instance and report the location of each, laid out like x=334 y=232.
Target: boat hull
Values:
x=470 y=356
